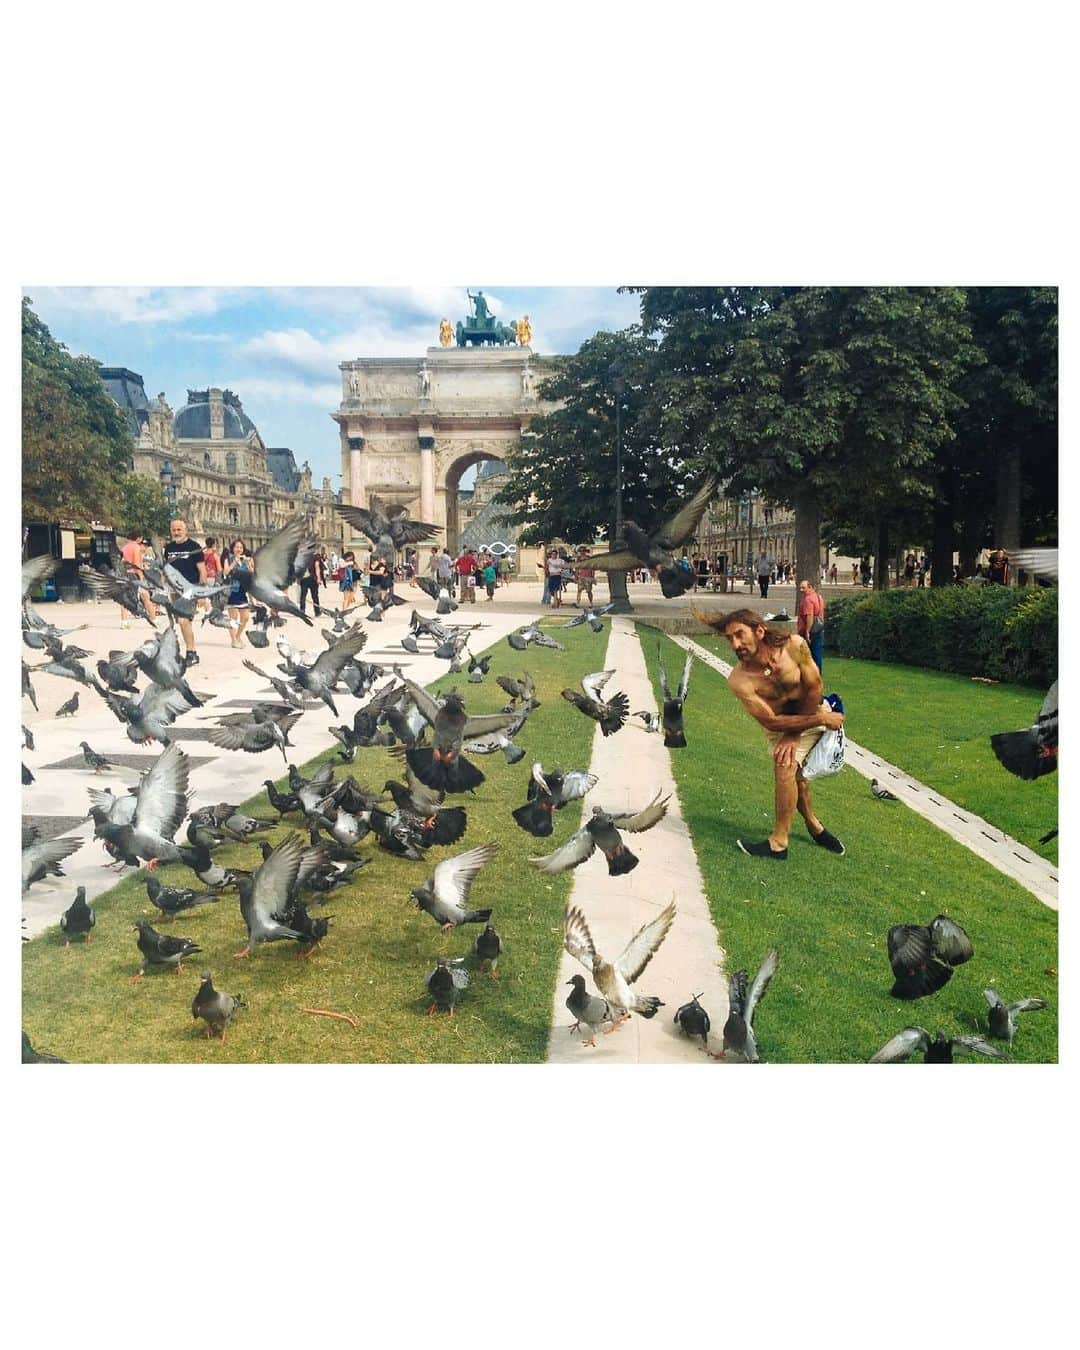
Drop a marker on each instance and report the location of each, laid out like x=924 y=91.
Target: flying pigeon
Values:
x=588 y=1010
x=1031 y=753
x=159 y=659
x=923 y=957
x=1003 y=1015
x=882 y=793
x=273 y=569
x=77 y=918
x=172 y=900
x=602 y=831
x=487 y=948
x=614 y=980
x=693 y=1020
x=266 y=893
x=162 y=949
x=531 y=633
x=637 y=548
x=501 y=740
x=443 y=766
x=319 y=679
x=591 y=617
x=674 y=734
x=445 y=984
x=42 y=858
x=610 y=713
x=939 y=1050
x=255 y=737
x=1041 y=562
x=445 y=893
x=160 y=808
x=284 y=691
x=125 y=591
x=214 y=1007
x=439 y=592
x=28 y=689
x=520 y=691
x=478 y=668
x=739 y=1036
x=37 y=570
x=387 y=534
x=550 y=792
x=27 y=777
x=118 y=672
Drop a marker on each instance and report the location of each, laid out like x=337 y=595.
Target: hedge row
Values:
x=1002 y=632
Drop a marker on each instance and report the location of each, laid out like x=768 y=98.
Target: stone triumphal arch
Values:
x=411 y=426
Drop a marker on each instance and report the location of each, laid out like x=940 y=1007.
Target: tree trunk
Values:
x=941 y=563
x=1007 y=505
x=807 y=535
x=881 y=557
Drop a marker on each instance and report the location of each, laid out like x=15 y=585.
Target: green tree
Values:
x=814 y=395
x=561 y=478
x=143 y=505
x=76 y=446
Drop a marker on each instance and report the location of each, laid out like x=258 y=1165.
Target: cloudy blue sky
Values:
x=279 y=347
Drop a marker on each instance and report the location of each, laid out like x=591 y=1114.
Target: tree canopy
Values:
x=76 y=445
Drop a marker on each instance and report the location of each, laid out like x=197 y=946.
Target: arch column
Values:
x=427 y=476
x=357 y=486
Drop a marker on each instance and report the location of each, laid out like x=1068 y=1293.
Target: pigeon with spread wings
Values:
x=160 y=808
x=938 y=1049
x=444 y=895
x=674 y=732
x=550 y=792
x=602 y=831
x=442 y=766
x=386 y=534
x=611 y=713
x=1031 y=753
x=739 y=1028
x=637 y=548
x=273 y=569
x=319 y=678
x=923 y=956
x=265 y=894
x=614 y=980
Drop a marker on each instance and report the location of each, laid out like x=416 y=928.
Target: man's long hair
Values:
x=719 y=623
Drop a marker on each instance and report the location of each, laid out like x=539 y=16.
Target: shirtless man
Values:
x=779 y=685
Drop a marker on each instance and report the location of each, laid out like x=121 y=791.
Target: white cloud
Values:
x=135 y=304
x=283 y=389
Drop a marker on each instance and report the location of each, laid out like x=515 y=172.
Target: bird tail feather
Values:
x=1018 y=751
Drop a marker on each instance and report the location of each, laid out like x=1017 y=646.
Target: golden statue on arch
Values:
x=446 y=333
x=523 y=329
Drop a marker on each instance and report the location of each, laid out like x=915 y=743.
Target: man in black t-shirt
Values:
x=187 y=557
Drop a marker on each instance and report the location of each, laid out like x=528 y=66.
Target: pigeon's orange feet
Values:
x=152 y=864
x=245 y=952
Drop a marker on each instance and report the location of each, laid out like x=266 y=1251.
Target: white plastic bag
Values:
x=827 y=756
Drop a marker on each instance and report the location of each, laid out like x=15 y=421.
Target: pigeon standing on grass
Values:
x=444 y=895
x=173 y=900
x=488 y=948
x=923 y=957
x=32 y=1056
x=162 y=949
x=739 y=1036
x=445 y=984
x=692 y=1020
x=614 y=980
x=882 y=793
x=588 y=1011
x=936 y=1050
x=214 y=1007
x=77 y=918
x=602 y=831
x=266 y=892
x=1003 y=1015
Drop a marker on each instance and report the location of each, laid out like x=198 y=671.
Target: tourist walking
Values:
x=506 y=568
x=764 y=567
x=555 y=569
x=833 y=574
x=490 y=575
x=379 y=574
x=466 y=567
x=347 y=583
x=238 y=569
x=866 y=571
x=186 y=556
x=810 y=621
x=310 y=582
x=133 y=554
x=585 y=575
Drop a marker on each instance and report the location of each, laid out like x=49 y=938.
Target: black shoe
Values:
x=762 y=850
x=829 y=841
x=192 y=659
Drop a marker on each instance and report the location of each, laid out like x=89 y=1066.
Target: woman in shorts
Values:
x=238 y=566
x=347 y=584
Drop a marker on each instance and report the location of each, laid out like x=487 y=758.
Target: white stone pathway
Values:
x=1008 y=855
x=631 y=766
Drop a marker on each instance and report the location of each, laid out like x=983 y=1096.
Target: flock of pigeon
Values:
x=433 y=736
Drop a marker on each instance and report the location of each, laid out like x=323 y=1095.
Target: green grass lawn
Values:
x=937 y=727
x=79 y=1003
x=829 y=916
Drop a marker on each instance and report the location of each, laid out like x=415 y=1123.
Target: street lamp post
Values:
x=617 y=589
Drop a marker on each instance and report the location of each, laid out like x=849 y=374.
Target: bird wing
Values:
x=1042 y=561
x=168 y=655
x=405 y=531
x=163 y=794
x=542 y=640
x=978 y=1045
x=332 y=661
x=35 y=571
x=454 y=877
x=586 y=705
x=993 y=998
x=645 y=943
x=237 y=737
x=373 y=523
x=646 y=818
x=275 y=879
x=765 y=973
x=684 y=683
x=47 y=851
x=486 y=723
x=575 y=784
x=577 y=939
x=664 y=690
x=902 y=1046
x=676 y=531
x=424 y=703
x=594 y=684
x=620 y=560
x=909 y=947
x=576 y=850
x=1027 y=1005
x=167 y=704
x=189 y=588
x=273 y=562
x=949 y=941
x=429 y=587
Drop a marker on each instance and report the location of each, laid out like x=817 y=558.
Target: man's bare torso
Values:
x=782 y=688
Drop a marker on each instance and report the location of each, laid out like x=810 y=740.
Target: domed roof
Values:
x=491 y=468
x=192 y=422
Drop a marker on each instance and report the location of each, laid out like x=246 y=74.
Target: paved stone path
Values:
x=631 y=766
x=58 y=800
x=1008 y=855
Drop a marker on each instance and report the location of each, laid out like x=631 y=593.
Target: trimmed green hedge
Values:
x=1002 y=632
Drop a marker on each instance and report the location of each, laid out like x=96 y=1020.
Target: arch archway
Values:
x=452 y=481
